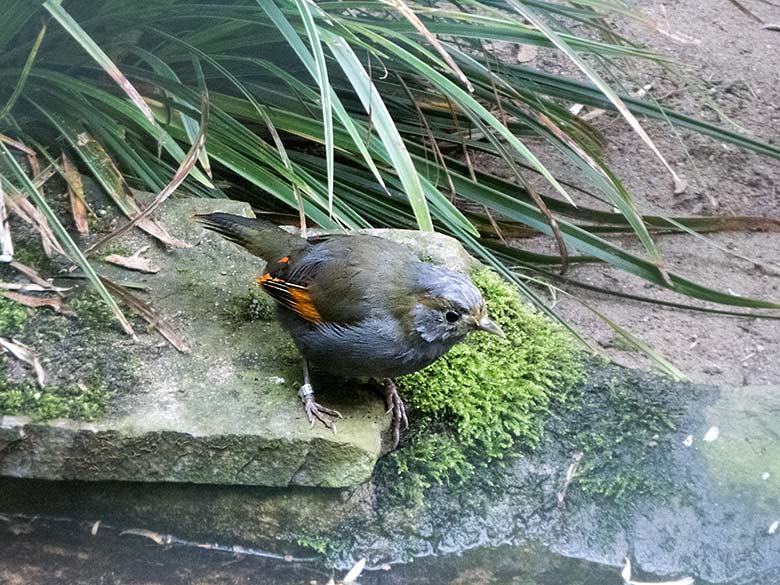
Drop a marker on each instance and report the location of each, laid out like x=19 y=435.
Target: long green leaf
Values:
x=19 y=87
x=292 y=38
x=90 y=46
x=385 y=127
x=325 y=89
x=463 y=99
x=595 y=78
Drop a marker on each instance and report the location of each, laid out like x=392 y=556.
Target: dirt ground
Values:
x=737 y=63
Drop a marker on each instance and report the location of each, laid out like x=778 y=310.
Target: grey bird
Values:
x=359 y=306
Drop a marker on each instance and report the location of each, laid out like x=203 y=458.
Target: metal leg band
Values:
x=306 y=390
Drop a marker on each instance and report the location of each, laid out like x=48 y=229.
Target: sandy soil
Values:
x=737 y=63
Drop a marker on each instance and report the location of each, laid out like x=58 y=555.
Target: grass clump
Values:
x=12 y=317
x=85 y=401
x=487 y=396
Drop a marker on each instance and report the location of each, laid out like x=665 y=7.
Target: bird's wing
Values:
x=287 y=283
x=337 y=279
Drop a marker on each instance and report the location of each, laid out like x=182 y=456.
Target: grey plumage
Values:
x=359 y=305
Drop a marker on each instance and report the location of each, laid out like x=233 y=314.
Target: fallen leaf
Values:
x=78 y=206
x=354 y=572
x=140 y=218
x=148 y=313
x=680 y=185
x=30 y=215
x=158 y=538
x=35 y=302
x=134 y=262
x=36 y=278
x=626 y=572
x=23 y=353
x=592 y=114
x=122 y=195
x=17 y=145
x=626 y=575
x=39 y=180
x=30 y=287
x=642 y=91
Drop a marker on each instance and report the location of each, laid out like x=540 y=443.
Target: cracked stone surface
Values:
x=228 y=411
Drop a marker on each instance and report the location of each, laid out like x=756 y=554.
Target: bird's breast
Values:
x=374 y=347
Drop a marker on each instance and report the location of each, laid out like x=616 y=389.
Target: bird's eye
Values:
x=452 y=316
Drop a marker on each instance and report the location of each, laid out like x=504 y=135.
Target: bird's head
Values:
x=449 y=306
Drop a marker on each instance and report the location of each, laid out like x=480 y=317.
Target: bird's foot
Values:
x=315 y=411
x=395 y=405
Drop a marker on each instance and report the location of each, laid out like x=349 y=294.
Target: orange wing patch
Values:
x=293 y=296
x=304 y=306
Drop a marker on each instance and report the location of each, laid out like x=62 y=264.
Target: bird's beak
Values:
x=486 y=325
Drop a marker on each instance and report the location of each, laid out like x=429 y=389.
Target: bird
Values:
x=358 y=306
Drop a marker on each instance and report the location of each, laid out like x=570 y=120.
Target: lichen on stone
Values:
x=487 y=397
x=253 y=305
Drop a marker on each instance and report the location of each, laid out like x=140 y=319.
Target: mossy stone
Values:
x=488 y=396
x=744 y=454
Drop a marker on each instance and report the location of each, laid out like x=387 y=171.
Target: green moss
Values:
x=251 y=306
x=329 y=545
x=487 y=397
x=12 y=317
x=620 y=425
x=79 y=401
x=92 y=312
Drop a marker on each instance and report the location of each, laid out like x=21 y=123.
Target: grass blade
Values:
x=107 y=174
x=19 y=87
x=325 y=90
x=385 y=127
x=190 y=125
x=464 y=100
x=418 y=24
x=292 y=38
x=613 y=97
x=661 y=362
x=6 y=244
x=148 y=313
x=90 y=46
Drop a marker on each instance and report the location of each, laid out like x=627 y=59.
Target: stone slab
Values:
x=709 y=516
x=228 y=411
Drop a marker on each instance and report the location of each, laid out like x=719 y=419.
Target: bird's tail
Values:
x=259 y=236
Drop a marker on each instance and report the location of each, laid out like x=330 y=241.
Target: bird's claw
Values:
x=315 y=411
x=396 y=406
